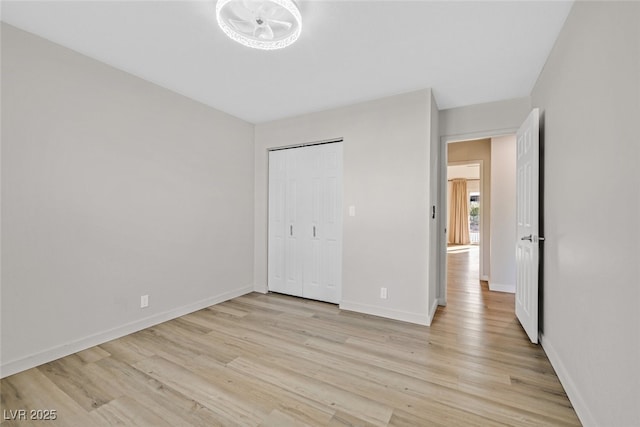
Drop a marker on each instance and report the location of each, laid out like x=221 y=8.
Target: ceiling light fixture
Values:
x=260 y=24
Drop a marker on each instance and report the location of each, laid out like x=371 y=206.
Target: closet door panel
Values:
x=294 y=220
x=277 y=223
x=332 y=222
x=312 y=283
x=323 y=274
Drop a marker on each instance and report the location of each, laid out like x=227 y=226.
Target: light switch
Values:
x=352 y=211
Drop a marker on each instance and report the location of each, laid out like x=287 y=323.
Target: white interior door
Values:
x=323 y=249
x=284 y=252
x=295 y=222
x=305 y=222
x=527 y=250
x=277 y=226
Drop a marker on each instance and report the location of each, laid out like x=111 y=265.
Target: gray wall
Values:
x=589 y=96
x=387 y=179
x=112 y=188
x=484 y=120
x=503 y=214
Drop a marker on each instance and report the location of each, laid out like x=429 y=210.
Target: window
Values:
x=474 y=217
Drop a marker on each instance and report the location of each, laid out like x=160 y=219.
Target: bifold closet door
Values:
x=305 y=222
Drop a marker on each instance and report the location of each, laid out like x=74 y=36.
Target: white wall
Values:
x=387 y=179
x=112 y=188
x=503 y=214
x=484 y=120
x=589 y=96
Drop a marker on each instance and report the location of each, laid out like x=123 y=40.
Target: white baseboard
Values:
x=263 y=289
x=37 y=359
x=582 y=409
x=484 y=277
x=499 y=287
x=442 y=302
x=405 y=316
x=432 y=311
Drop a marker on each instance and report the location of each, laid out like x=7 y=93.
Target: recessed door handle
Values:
x=314 y=231
x=291 y=230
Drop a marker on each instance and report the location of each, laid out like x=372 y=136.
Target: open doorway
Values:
x=487 y=257
x=471 y=159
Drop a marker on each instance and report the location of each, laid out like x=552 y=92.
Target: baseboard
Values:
x=63 y=350
x=499 y=287
x=582 y=409
x=442 y=302
x=484 y=277
x=432 y=310
x=405 y=316
x=263 y=289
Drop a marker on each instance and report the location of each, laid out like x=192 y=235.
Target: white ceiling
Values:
x=349 y=51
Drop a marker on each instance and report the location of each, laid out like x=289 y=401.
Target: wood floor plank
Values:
x=276 y=360
x=80 y=381
x=376 y=413
x=32 y=390
x=172 y=406
x=126 y=411
x=231 y=409
x=412 y=403
x=92 y=354
x=262 y=394
x=342 y=419
x=279 y=419
x=128 y=349
x=402 y=418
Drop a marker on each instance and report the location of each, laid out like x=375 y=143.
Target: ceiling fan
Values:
x=260 y=24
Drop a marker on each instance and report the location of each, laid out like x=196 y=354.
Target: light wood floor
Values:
x=279 y=361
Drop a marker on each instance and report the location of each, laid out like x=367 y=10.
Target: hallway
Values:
x=515 y=372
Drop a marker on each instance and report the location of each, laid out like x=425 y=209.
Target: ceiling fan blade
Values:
x=246 y=27
x=269 y=9
x=276 y=23
x=241 y=11
x=264 y=32
x=253 y=6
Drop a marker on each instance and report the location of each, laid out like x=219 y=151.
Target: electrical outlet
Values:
x=383 y=293
x=144 y=301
